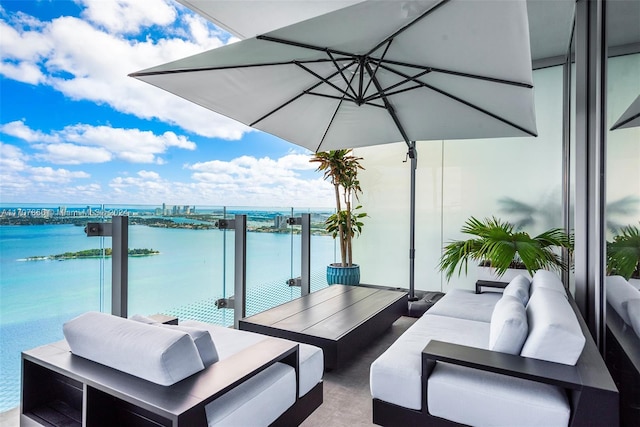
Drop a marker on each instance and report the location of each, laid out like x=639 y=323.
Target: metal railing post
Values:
x=305 y=257
x=119 y=265
x=118 y=230
x=240 y=280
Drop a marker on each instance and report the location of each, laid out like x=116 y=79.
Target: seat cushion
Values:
x=201 y=337
x=544 y=279
x=519 y=288
x=619 y=292
x=509 y=328
x=162 y=356
x=473 y=397
x=259 y=401
x=395 y=376
x=466 y=304
x=230 y=341
x=554 y=332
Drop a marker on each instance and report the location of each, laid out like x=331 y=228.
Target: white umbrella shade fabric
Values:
x=630 y=118
x=372 y=73
x=249 y=18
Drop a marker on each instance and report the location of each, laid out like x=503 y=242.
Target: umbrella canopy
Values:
x=630 y=118
x=372 y=73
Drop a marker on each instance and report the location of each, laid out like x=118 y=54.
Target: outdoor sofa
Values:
x=191 y=374
x=523 y=357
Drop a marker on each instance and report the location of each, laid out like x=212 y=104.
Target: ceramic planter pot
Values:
x=336 y=274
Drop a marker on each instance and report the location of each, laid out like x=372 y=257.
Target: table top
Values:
x=329 y=313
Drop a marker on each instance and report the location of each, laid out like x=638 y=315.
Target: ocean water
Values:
x=37 y=297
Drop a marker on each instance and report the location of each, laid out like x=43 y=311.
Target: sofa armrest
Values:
x=182 y=403
x=489 y=284
x=556 y=374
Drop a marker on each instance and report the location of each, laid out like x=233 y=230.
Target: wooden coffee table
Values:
x=339 y=319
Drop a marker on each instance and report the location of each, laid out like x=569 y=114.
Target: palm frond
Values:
x=497 y=243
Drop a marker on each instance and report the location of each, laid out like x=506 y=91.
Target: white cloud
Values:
x=58 y=176
x=19 y=181
x=20 y=130
x=251 y=181
x=91 y=59
x=234 y=183
x=149 y=175
x=83 y=143
x=128 y=16
x=71 y=154
x=22 y=72
x=12 y=159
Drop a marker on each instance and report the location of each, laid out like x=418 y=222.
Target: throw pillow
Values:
x=509 y=328
x=519 y=288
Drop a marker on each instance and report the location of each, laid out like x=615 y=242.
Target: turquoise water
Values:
x=37 y=297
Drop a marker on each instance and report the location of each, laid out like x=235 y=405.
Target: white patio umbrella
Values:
x=630 y=118
x=373 y=73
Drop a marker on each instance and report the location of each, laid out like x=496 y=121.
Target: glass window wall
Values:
x=515 y=179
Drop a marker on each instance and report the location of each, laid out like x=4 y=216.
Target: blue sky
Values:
x=74 y=128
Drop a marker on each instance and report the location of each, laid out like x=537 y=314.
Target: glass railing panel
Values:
x=269 y=258
x=45 y=280
x=323 y=247
x=176 y=262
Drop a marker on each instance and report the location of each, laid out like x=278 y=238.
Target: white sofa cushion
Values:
x=619 y=292
x=230 y=341
x=163 y=356
x=480 y=398
x=395 y=376
x=554 y=331
x=257 y=402
x=544 y=279
x=633 y=308
x=201 y=337
x=519 y=288
x=466 y=304
x=509 y=328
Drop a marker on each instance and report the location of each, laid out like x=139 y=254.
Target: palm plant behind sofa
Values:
x=498 y=244
x=623 y=253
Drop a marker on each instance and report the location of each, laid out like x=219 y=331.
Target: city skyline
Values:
x=75 y=129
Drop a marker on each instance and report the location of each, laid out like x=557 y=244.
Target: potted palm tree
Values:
x=341 y=168
x=498 y=245
x=623 y=254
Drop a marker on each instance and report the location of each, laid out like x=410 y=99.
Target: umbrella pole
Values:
x=413 y=155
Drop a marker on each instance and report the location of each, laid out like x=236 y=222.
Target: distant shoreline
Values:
x=90 y=253
x=205 y=222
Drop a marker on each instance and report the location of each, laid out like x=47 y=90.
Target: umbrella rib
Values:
x=457 y=73
x=342 y=98
x=388 y=106
x=292 y=99
x=305 y=46
x=278 y=108
x=326 y=80
x=462 y=101
x=226 y=67
x=395 y=92
x=387 y=90
x=386 y=49
x=401 y=30
x=335 y=64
